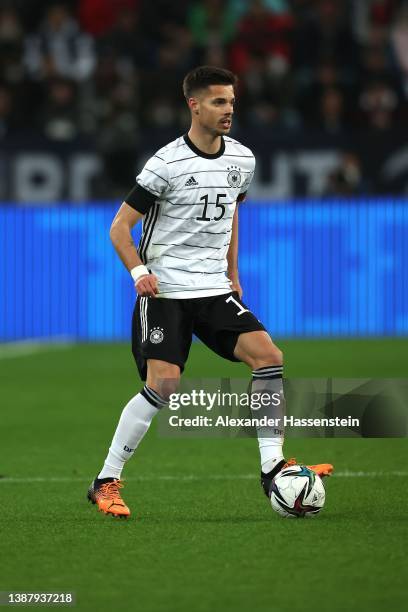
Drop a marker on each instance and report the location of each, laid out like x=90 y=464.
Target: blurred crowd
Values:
x=108 y=69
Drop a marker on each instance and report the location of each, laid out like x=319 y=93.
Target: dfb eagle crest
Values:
x=234 y=176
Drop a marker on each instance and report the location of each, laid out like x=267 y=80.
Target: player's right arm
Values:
x=151 y=184
x=121 y=237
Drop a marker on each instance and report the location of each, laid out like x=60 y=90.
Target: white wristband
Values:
x=137 y=272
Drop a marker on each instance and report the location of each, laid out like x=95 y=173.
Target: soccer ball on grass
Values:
x=297 y=492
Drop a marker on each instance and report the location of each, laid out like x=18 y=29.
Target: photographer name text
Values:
x=278 y=423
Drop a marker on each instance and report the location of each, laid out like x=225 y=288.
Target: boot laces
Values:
x=110 y=490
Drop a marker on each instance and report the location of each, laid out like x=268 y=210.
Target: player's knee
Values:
x=163 y=378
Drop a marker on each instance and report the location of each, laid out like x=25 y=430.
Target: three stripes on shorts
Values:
x=143 y=317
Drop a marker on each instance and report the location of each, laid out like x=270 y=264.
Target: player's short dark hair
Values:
x=204 y=76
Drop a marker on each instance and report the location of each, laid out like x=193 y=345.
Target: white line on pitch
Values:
x=190 y=477
x=11 y=350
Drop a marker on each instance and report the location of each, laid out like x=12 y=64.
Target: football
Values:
x=297 y=492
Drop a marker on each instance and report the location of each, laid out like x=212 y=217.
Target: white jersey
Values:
x=189 y=198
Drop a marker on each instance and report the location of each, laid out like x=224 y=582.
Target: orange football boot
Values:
x=105 y=493
x=321 y=469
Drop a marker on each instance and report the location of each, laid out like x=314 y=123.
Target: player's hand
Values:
x=235 y=286
x=146 y=286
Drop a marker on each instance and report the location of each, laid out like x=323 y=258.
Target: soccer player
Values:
x=186 y=276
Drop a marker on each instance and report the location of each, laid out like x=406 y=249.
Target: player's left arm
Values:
x=232 y=256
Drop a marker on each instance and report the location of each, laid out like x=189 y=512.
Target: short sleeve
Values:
x=155 y=176
x=246 y=183
x=151 y=184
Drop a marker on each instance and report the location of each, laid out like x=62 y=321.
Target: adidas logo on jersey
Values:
x=191 y=182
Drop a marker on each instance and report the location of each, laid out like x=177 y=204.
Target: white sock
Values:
x=270 y=439
x=271 y=454
x=134 y=422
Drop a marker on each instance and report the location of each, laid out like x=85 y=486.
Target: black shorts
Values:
x=163 y=328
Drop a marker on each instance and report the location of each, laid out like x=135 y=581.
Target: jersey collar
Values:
x=197 y=151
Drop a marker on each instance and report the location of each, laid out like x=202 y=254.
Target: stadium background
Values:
x=88 y=90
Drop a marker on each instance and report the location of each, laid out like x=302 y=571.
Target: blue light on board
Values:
x=308 y=269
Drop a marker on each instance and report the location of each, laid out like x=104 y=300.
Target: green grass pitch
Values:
x=202 y=535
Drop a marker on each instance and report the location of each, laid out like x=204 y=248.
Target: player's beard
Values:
x=220 y=129
x=226 y=128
